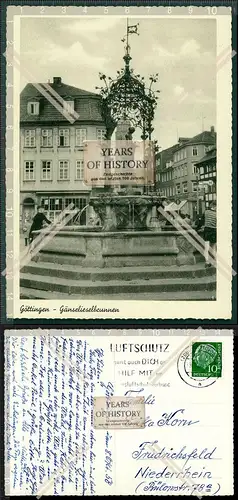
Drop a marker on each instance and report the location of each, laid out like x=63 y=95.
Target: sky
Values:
x=182 y=51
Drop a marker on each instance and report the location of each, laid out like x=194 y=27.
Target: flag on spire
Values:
x=133 y=29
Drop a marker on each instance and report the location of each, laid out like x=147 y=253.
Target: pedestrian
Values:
x=38 y=221
x=187 y=219
x=26 y=229
x=197 y=223
x=209 y=222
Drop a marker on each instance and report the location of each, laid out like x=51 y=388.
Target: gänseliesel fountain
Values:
x=128 y=105
x=124 y=224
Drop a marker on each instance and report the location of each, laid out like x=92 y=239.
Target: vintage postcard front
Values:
x=104 y=413
x=119 y=165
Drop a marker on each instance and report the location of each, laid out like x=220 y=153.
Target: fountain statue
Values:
x=124 y=225
x=126 y=208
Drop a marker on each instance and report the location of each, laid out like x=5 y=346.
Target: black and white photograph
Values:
x=119 y=162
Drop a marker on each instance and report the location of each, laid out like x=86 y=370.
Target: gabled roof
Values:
x=206 y=137
x=61 y=88
x=203 y=137
x=86 y=104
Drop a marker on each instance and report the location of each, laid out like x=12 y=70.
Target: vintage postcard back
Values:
x=118 y=129
x=108 y=414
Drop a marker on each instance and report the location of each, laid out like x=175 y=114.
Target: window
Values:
x=81 y=135
x=46 y=170
x=56 y=204
x=185 y=187
x=185 y=169
x=69 y=106
x=101 y=134
x=194 y=169
x=52 y=203
x=33 y=108
x=194 y=186
x=30 y=138
x=201 y=170
x=46 y=138
x=79 y=170
x=63 y=137
x=182 y=174
x=29 y=171
x=178 y=189
x=77 y=202
x=64 y=170
x=195 y=151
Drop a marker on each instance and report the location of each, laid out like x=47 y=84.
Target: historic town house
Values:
x=51 y=147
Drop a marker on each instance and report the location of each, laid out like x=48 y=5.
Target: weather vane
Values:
x=130 y=30
x=127 y=96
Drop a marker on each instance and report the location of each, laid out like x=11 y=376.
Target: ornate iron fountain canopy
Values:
x=128 y=97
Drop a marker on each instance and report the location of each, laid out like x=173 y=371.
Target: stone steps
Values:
x=70 y=272
x=86 y=287
x=33 y=294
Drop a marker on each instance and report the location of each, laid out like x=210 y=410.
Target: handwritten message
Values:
x=50 y=439
x=54 y=447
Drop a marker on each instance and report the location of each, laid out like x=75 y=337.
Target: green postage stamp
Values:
x=207 y=359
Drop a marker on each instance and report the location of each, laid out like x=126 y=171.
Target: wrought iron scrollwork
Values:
x=128 y=97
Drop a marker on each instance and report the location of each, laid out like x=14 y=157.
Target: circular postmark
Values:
x=184 y=366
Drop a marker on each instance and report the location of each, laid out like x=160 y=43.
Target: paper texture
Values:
x=189 y=49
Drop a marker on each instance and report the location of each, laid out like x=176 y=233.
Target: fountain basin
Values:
x=93 y=248
x=125 y=212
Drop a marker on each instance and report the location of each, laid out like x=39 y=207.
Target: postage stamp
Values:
x=119 y=412
x=207 y=359
x=118 y=127
x=200 y=364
